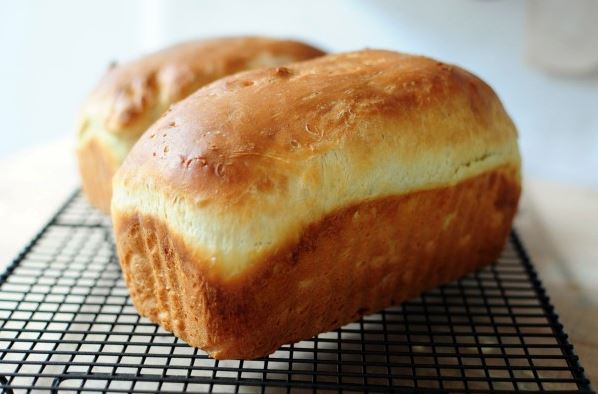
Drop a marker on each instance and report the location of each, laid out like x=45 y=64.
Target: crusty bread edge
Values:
x=357 y=260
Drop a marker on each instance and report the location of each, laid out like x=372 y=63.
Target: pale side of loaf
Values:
x=130 y=97
x=279 y=203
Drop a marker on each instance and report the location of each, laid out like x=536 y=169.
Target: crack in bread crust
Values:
x=357 y=260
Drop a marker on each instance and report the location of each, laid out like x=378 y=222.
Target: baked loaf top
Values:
x=130 y=97
x=241 y=167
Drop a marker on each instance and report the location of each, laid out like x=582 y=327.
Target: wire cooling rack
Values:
x=68 y=325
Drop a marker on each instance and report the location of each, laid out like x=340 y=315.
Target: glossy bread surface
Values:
x=278 y=203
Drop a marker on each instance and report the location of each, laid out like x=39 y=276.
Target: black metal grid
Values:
x=68 y=325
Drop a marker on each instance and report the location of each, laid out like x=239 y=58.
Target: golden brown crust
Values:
x=130 y=97
x=243 y=165
x=131 y=89
x=357 y=260
x=250 y=130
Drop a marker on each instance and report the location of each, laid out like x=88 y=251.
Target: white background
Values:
x=53 y=52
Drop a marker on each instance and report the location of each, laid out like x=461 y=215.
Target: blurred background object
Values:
x=562 y=36
x=539 y=55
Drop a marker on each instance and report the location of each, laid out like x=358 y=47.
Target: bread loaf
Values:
x=132 y=96
x=279 y=203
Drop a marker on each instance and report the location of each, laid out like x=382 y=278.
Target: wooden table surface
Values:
x=558 y=224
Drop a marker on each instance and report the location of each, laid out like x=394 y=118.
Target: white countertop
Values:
x=558 y=224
